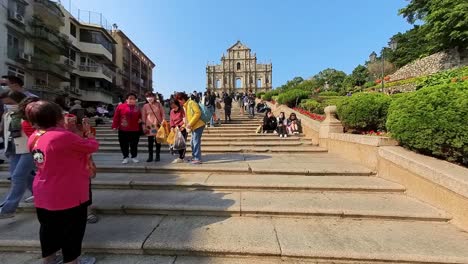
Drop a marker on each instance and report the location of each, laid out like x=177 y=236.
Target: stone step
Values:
x=227 y=149
x=255 y=203
x=340 y=240
x=223 y=143
x=236 y=182
x=226 y=139
x=316 y=163
x=218 y=135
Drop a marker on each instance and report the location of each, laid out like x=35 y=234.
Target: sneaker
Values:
x=264 y=132
x=86 y=260
x=196 y=162
x=30 y=199
x=178 y=161
x=125 y=161
x=135 y=160
x=6 y=215
x=274 y=132
x=285 y=135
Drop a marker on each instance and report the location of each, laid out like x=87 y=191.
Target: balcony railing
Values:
x=49 y=11
x=53 y=37
x=44 y=63
x=98 y=68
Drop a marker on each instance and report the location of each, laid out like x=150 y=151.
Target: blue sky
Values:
x=300 y=37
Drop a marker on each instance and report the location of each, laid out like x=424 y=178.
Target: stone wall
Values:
x=431 y=64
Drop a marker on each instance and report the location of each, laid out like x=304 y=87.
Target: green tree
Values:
x=359 y=76
x=411 y=46
x=445 y=22
x=332 y=77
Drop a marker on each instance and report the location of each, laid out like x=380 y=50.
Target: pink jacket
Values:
x=148 y=114
x=62 y=179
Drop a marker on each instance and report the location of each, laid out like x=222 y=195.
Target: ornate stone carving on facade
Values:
x=239 y=72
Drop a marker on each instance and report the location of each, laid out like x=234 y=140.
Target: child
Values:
x=177 y=119
x=282 y=123
x=293 y=128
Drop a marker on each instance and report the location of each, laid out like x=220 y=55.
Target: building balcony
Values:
x=135 y=80
x=49 y=39
x=97 y=71
x=49 y=12
x=96 y=94
x=18 y=55
x=96 y=49
x=45 y=64
x=67 y=63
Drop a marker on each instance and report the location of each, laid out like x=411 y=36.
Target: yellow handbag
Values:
x=171 y=137
x=161 y=136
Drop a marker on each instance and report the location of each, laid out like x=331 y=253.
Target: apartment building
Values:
x=59 y=53
x=135 y=69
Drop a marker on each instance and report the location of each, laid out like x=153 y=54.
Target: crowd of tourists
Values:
x=42 y=140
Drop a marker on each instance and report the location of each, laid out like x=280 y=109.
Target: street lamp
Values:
x=373 y=57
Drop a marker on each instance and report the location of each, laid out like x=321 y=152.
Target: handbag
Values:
x=218 y=105
x=161 y=135
x=179 y=142
x=171 y=137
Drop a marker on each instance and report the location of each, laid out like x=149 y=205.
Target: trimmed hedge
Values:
x=268 y=95
x=433 y=121
x=329 y=93
x=292 y=97
x=364 y=111
x=310 y=105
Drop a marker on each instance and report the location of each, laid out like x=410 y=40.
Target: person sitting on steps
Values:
x=282 y=123
x=293 y=126
x=269 y=122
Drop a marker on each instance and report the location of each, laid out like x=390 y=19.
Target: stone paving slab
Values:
x=398 y=241
x=218 y=235
x=375 y=205
x=119 y=233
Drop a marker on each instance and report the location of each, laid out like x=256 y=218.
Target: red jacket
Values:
x=127 y=118
x=177 y=119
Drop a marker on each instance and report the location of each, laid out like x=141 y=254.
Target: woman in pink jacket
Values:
x=152 y=115
x=61 y=195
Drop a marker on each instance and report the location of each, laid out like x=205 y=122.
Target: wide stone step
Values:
x=224 y=139
x=228 y=149
x=340 y=240
x=245 y=203
x=236 y=182
x=316 y=163
x=224 y=143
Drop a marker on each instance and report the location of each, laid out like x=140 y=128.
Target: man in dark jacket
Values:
x=227 y=107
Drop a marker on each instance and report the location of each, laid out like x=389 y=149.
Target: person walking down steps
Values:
x=126 y=120
x=153 y=116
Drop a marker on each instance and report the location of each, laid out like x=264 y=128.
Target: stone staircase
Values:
x=256 y=199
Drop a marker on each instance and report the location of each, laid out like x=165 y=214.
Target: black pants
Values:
x=282 y=130
x=63 y=230
x=129 y=139
x=269 y=128
x=227 y=113
x=182 y=151
x=151 y=142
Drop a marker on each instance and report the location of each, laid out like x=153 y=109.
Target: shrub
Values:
x=292 y=97
x=260 y=95
x=364 y=111
x=444 y=77
x=328 y=93
x=268 y=95
x=310 y=105
x=433 y=121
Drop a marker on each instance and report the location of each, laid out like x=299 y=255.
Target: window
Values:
x=72 y=29
x=238 y=66
x=218 y=83
x=16 y=72
x=238 y=83
x=72 y=55
x=259 y=83
x=95 y=37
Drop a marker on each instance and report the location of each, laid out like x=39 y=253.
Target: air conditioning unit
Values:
x=18 y=17
x=25 y=56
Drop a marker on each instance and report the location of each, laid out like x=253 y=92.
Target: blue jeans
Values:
x=21 y=172
x=252 y=110
x=211 y=109
x=196 y=143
